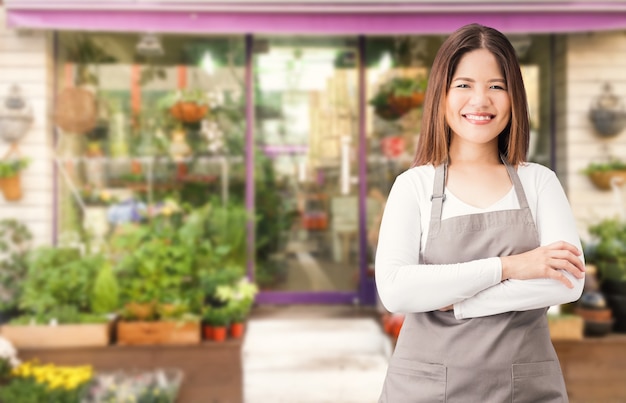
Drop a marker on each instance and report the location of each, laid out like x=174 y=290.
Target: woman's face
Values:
x=478 y=106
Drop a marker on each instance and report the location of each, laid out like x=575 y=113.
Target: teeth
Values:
x=478 y=117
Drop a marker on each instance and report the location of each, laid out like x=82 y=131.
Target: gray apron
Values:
x=507 y=357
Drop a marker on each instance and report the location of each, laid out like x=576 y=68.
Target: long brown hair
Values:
x=434 y=140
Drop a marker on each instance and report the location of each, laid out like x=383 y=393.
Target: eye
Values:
x=497 y=87
x=462 y=86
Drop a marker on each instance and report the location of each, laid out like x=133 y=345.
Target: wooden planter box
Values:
x=594 y=368
x=60 y=336
x=569 y=327
x=149 y=333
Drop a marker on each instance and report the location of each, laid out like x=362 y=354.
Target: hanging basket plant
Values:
x=187 y=106
x=602 y=174
x=398 y=97
x=10 y=178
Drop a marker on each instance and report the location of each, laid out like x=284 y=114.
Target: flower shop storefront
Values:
x=161 y=109
x=207 y=156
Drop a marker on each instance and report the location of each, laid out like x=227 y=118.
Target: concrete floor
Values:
x=312 y=354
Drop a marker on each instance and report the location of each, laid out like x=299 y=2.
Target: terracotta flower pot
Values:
x=236 y=330
x=219 y=333
x=189 y=112
x=12 y=188
x=207 y=332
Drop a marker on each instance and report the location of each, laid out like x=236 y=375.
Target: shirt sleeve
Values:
x=555 y=222
x=406 y=286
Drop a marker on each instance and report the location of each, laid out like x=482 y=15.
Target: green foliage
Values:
x=13 y=166
x=15 y=244
x=5 y=369
x=62 y=314
x=612 y=164
x=57 y=277
x=216 y=316
x=105 y=297
x=23 y=390
x=608 y=249
x=180 y=258
x=238 y=298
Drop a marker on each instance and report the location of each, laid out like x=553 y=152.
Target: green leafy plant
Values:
x=216 y=316
x=238 y=298
x=398 y=96
x=13 y=166
x=15 y=244
x=105 y=297
x=612 y=164
x=59 y=281
x=607 y=249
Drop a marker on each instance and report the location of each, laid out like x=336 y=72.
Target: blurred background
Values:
x=169 y=168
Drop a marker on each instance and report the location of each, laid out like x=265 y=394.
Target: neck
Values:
x=474 y=154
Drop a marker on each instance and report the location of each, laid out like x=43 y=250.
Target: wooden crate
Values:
x=148 y=333
x=59 y=336
x=566 y=327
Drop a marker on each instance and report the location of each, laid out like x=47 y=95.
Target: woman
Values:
x=475 y=243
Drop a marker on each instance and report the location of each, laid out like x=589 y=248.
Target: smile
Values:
x=481 y=118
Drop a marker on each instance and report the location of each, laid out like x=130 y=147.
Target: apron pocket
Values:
x=414 y=382
x=538 y=382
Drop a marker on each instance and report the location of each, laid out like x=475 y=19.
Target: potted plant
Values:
x=187 y=106
x=10 y=178
x=398 y=96
x=15 y=244
x=607 y=251
x=601 y=173
x=215 y=322
x=55 y=301
x=155 y=272
x=239 y=299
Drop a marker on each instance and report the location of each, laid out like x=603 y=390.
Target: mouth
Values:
x=479 y=117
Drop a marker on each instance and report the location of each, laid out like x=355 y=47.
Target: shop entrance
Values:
x=306 y=168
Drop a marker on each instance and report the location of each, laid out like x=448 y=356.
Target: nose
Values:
x=480 y=97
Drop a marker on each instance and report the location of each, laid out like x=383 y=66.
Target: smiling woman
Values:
x=497 y=240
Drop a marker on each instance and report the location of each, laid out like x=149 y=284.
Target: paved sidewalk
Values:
x=314 y=355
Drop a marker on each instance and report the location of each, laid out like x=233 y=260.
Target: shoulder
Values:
x=423 y=175
x=536 y=176
x=417 y=180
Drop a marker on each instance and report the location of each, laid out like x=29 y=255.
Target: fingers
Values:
x=569 y=262
x=559 y=276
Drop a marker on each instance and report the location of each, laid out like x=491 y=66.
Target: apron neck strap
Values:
x=517 y=184
x=437 y=199
x=439 y=196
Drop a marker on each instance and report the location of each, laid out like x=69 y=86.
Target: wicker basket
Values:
x=76 y=110
x=602 y=179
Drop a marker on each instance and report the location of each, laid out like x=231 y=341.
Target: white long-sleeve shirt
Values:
x=475 y=288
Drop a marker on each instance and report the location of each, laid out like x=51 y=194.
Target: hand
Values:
x=447 y=308
x=545 y=262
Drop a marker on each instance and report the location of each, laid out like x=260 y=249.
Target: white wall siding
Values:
x=593 y=59
x=25 y=60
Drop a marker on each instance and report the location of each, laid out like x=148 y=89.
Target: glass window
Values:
x=145 y=120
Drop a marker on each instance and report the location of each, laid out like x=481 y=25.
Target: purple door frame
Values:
x=365 y=293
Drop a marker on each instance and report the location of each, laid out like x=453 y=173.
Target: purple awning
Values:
x=319 y=17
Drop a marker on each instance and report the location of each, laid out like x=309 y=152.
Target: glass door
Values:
x=306 y=138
